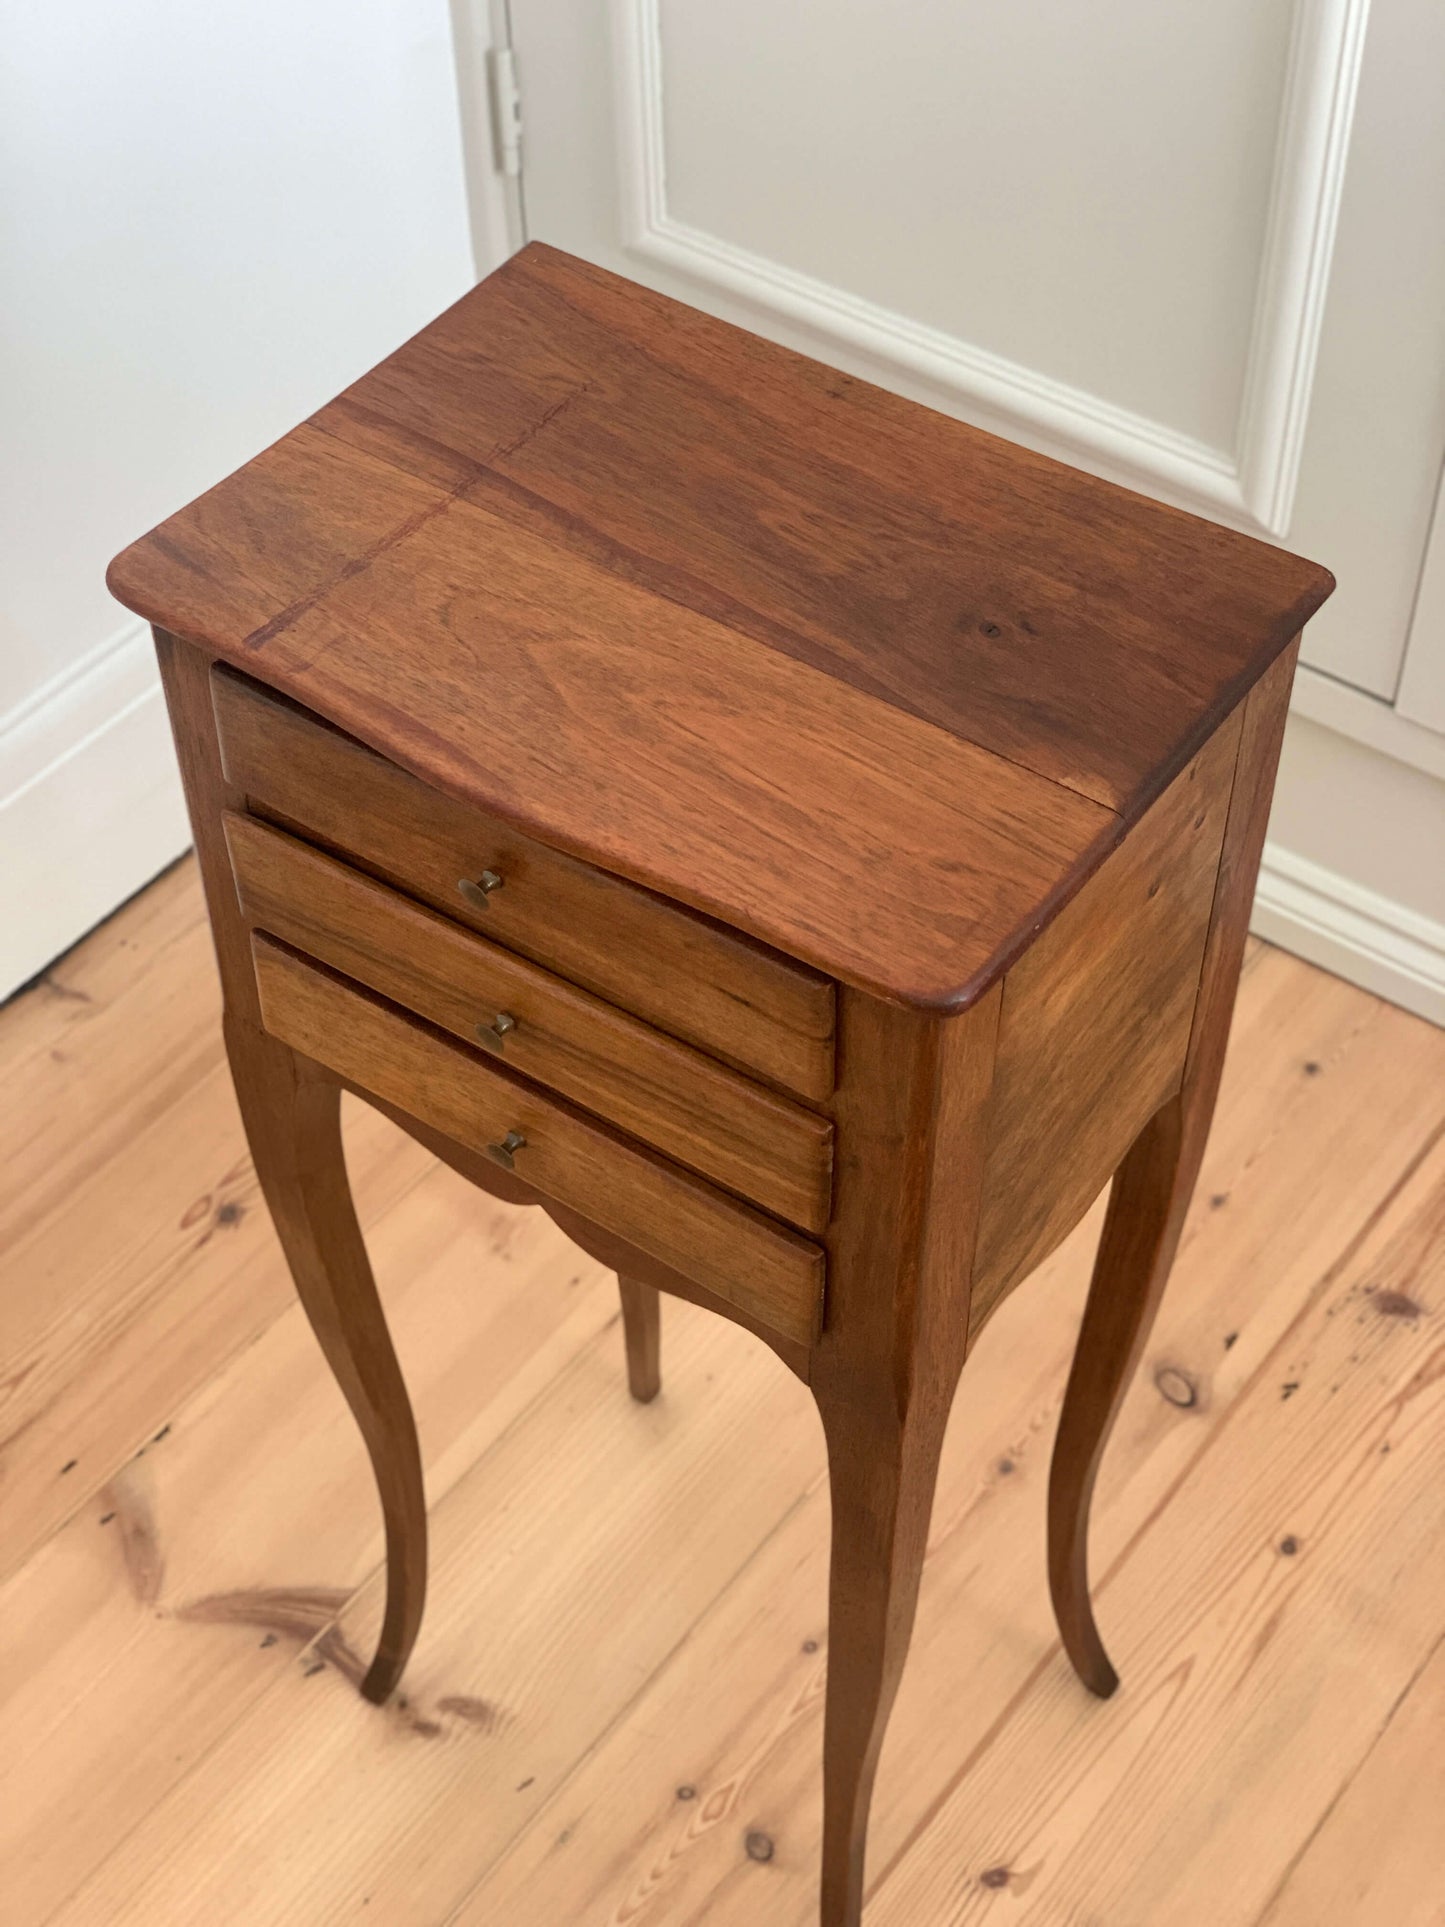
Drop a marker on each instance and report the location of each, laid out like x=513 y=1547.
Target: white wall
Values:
x=1354 y=870
x=212 y=217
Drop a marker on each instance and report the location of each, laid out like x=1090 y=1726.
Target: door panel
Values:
x=1011 y=176
x=1422 y=677
x=1107 y=232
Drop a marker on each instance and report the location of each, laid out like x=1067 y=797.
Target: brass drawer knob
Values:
x=476 y=890
x=505 y=1152
x=494 y=1035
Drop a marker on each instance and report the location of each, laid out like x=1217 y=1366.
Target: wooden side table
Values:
x=801 y=842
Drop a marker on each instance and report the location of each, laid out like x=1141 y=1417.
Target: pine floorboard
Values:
x=614 y=1712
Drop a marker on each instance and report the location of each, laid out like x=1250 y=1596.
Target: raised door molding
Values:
x=1254 y=482
x=1420 y=699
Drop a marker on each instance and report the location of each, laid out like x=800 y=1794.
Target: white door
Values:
x=1200 y=249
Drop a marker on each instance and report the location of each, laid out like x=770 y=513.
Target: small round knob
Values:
x=505 y=1152
x=476 y=890
x=494 y=1035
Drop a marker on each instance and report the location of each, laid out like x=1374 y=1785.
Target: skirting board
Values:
x=90 y=802
x=1336 y=923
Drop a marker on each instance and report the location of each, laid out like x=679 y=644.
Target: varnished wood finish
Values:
x=741 y=1002
x=612 y=1252
x=697 y=1113
x=735 y=1251
x=290 y=1115
x=642 y=1327
x=913 y=774
x=931 y=855
x=1152 y=1191
x=291 y=1112
x=1096 y=1018
x=910 y=1144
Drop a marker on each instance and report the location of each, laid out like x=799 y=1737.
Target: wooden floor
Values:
x=614 y=1712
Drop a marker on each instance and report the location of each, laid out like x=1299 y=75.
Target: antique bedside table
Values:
x=801 y=842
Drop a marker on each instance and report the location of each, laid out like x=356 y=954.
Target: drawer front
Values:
x=697 y=1112
x=767 y=1271
x=709 y=985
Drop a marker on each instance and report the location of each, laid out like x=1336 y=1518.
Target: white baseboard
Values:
x=90 y=801
x=1336 y=923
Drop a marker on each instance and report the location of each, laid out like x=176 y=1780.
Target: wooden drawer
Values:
x=744 y=1002
x=701 y=1114
x=764 y=1269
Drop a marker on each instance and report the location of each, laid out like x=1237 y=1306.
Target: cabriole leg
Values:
x=292 y=1114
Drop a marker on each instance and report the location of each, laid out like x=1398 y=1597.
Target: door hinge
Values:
x=506 y=109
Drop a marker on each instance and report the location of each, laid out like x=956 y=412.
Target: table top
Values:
x=840 y=671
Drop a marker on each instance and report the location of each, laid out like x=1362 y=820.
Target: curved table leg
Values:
x=1146 y=1212
x=1152 y=1188
x=882 y=1468
x=292 y=1115
x=642 y=1329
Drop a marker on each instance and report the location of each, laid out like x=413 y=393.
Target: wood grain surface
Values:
x=291 y=1118
x=635 y=1735
x=1095 y=1025
x=912 y=1109
x=664 y=747
x=749 y=1005
x=634 y=1267
x=852 y=677
x=695 y=1111
x=1152 y=1190
x=688 y=1225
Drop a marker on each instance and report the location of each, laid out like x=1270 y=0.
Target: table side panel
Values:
x=1096 y=1022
